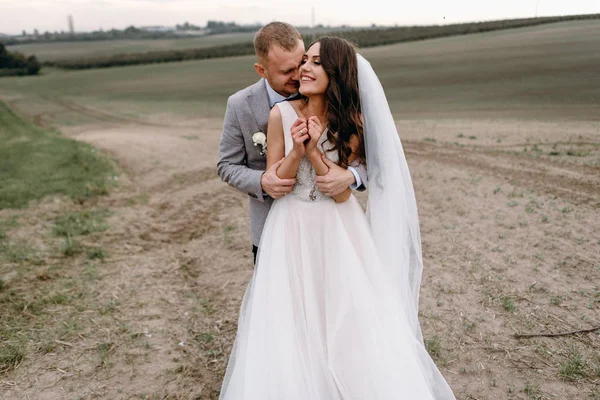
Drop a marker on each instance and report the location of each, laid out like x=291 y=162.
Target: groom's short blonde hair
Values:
x=279 y=33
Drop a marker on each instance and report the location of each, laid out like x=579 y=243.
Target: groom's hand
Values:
x=336 y=180
x=273 y=185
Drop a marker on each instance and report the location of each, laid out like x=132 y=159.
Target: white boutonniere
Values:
x=260 y=139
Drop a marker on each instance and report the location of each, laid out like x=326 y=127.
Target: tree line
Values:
x=131 y=32
x=150 y=57
x=383 y=36
x=15 y=63
x=368 y=37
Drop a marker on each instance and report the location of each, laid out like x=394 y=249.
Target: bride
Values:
x=331 y=312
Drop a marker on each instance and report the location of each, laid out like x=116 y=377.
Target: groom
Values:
x=279 y=49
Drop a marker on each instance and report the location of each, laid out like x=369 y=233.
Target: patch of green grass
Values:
x=19 y=252
x=227 y=233
x=204 y=338
x=532 y=206
x=58 y=298
x=109 y=307
x=472 y=137
x=566 y=210
x=81 y=222
x=508 y=304
x=556 y=300
x=10 y=356
x=104 y=350
x=143 y=198
x=533 y=391
x=207 y=306
x=430 y=139
x=28 y=326
x=523 y=223
x=96 y=253
x=70 y=247
x=596 y=367
x=433 y=346
x=468 y=324
x=6 y=224
x=36 y=162
x=573 y=368
x=40 y=307
x=515 y=193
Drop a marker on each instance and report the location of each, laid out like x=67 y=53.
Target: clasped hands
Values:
x=306 y=132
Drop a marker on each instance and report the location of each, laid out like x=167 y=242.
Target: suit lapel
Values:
x=258 y=100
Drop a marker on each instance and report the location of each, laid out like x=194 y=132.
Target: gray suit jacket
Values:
x=240 y=163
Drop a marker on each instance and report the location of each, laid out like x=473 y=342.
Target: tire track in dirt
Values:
x=196 y=177
x=580 y=184
x=170 y=212
x=185 y=222
x=99 y=114
x=190 y=178
x=541 y=144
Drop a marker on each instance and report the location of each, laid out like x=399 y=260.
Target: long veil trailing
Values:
x=392 y=213
x=392 y=208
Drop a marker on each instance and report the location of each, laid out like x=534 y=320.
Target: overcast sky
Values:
x=51 y=15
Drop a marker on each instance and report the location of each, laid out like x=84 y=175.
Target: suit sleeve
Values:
x=232 y=166
x=361 y=169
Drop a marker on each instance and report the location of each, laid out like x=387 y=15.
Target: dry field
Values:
x=73 y=50
x=506 y=167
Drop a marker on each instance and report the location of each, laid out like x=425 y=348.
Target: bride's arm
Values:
x=321 y=167
x=276 y=147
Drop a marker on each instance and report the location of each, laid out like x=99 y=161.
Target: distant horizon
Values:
x=93 y=15
x=30 y=32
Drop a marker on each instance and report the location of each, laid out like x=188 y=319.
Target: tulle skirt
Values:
x=320 y=319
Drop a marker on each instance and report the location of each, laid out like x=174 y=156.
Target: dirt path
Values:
x=510 y=242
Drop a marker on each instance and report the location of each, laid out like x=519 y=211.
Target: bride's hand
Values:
x=299 y=131
x=315 y=130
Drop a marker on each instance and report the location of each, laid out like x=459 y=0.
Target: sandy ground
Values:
x=510 y=239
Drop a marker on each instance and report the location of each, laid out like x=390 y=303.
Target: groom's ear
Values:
x=260 y=70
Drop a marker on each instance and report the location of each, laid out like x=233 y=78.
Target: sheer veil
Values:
x=392 y=208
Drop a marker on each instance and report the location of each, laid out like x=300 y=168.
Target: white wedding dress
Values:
x=321 y=319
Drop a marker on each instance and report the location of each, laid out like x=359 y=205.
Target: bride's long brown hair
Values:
x=338 y=58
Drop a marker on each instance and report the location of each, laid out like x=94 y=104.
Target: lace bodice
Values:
x=305 y=188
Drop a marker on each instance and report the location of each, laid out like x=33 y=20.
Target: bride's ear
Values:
x=260 y=70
